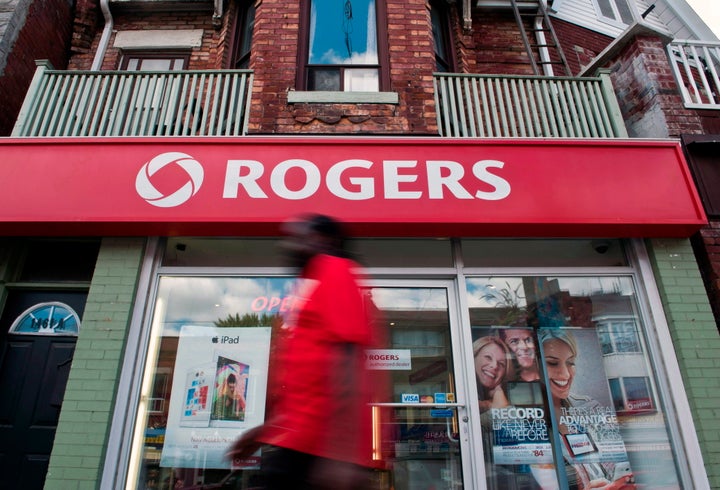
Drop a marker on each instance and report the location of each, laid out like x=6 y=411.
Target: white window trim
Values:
x=617 y=21
x=324 y=97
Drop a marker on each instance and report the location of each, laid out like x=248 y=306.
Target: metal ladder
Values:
x=532 y=46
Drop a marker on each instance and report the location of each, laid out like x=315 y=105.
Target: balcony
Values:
x=216 y=103
x=499 y=106
x=696 y=65
x=142 y=103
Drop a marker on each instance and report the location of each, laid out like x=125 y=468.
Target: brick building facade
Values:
x=25 y=37
x=633 y=273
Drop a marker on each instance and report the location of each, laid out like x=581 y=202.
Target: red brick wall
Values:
x=580 y=45
x=492 y=46
x=498 y=44
x=45 y=35
x=274 y=60
x=275 y=63
x=85 y=25
x=208 y=56
x=648 y=93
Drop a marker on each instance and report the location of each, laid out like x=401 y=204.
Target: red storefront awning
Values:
x=378 y=186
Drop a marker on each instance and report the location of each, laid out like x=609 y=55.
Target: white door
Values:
x=424 y=426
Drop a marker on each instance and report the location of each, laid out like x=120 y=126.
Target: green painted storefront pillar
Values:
x=80 y=443
x=695 y=338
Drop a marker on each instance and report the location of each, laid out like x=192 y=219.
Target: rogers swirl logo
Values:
x=147 y=190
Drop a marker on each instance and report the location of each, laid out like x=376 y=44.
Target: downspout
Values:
x=542 y=42
x=105 y=38
x=467 y=17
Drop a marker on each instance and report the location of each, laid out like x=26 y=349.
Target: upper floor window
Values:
x=618 y=336
x=441 y=35
x=615 y=11
x=342 y=51
x=155 y=61
x=632 y=394
x=244 y=24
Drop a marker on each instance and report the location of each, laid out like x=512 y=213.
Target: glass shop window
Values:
x=566 y=385
x=618 y=336
x=632 y=394
x=209 y=358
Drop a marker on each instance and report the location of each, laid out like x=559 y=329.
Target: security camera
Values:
x=601 y=246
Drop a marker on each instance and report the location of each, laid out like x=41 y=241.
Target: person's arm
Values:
x=246 y=445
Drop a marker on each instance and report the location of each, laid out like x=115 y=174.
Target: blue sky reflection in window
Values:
x=343 y=53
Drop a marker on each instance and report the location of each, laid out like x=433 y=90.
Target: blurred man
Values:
x=317 y=433
x=521 y=343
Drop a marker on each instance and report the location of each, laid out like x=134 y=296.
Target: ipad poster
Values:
x=219 y=390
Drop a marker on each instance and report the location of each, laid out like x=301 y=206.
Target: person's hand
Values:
x=499 y=399
x=626 y=482
x=622 y=483
x=245 y=445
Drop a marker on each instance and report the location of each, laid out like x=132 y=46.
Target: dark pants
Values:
x=284 y=469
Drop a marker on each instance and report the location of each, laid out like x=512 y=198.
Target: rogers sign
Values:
x=149 y=192
x=346 y=179
x=384 y=187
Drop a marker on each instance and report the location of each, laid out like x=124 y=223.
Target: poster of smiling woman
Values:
x=585 y=421
x=514 y=415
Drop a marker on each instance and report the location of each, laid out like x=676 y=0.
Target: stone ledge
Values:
x=300 y=97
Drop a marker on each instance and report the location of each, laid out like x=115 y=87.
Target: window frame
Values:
x=620 y=383
x=302 y=76
x=446 y=58
x=617 y=20
x=239 y=58
x=155 y=54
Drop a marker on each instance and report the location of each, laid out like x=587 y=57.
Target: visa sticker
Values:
x=410 y=398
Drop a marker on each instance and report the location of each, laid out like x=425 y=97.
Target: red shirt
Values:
x=320 y=391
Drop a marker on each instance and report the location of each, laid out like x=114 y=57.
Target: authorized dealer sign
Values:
x=379 y=186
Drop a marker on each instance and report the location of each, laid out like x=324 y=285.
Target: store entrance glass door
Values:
x=423 y=414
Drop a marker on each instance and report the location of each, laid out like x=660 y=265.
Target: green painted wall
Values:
x=81 y=439
x=696 y=340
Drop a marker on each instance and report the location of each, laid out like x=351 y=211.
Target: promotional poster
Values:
x=584 y=412
x=543 y=387
x=513 y=412
x=219 y=391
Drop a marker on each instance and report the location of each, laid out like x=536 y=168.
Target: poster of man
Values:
x=510 y=396
x=231 y=380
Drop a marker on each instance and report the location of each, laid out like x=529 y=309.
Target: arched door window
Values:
x=52 y=318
